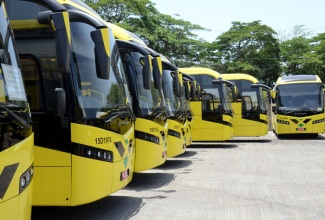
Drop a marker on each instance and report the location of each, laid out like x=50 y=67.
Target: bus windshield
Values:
x=96 y=96
x=303 y=96
x=12 y=92
x=173 y=102
x=148 y=100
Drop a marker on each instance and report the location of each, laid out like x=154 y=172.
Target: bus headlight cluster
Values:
x=318 y=121
x=26 y=178
x=147 y=137
x=99 y=154
x=282 y=122
x=174 y=133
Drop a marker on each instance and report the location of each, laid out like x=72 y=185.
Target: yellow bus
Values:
x=149 y=107
x=177 y=120
x=213 y=113
x=82 y=119
x=17 y=138
x=147 y=99
x=298 y=105
x=250 y=110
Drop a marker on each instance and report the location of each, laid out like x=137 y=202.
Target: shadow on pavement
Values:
x=111 y=207
x=174 y=164
x=149 y=181
x=204 y=145
x=300 y=137
x=187 y=153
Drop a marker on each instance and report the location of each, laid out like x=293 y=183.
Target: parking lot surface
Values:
x=244 y=178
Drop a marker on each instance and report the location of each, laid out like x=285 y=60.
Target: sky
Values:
x=216 y=15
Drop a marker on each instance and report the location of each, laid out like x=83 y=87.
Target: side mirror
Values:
x=60 y=105
x=63 y=48
x=176 y=84
x=102 y=59
x=187 y=89
x=157 y=72
x=146 y=71
x=198 y=92
x=193 y=91
x=273 y=95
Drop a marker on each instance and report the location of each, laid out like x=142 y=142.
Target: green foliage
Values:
x=303 y=55
x=249 y=48
x=114 y=96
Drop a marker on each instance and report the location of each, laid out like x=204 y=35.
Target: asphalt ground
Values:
x=244 y=178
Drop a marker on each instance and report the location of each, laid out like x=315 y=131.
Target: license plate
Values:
x=124 y=174
x=300 y=129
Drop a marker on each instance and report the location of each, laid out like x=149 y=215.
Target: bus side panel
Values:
x=52 y=177
x=264 y=127
x=176 y=145
x=103 y=177
x=203 y=130
x=248 y=128
x=188 y=132
x=17 y=159
x=147 y=153
x=228 y=129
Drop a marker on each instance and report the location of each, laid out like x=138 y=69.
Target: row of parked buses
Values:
x=85 y=104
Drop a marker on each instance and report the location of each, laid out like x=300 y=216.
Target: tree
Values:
x=172 y=37
x=249 y=48
x=318 y=45
x=299 y=53
x=116 y=11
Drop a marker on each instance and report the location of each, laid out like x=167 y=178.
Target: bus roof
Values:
x=200 y=71
x=239 y=76
x=123 y=34
x=298 y=79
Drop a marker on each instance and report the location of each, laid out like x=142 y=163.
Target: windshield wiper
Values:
x=18 y=119
x=116 y=115
x=123 y=109
x=158 y=111
x=300 y=111
x=127 y=108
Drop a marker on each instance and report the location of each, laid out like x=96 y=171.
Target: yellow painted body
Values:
x=176 y=145
x=244 y=127
x=283 y=124
x=203 y=130
x=209 y=131
x=303 y=124
x=16 y=155
x=15 y=205
x=188 y=132
x=148 y=154
x=64 y=179
x=248 y=128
